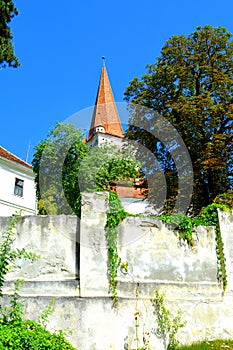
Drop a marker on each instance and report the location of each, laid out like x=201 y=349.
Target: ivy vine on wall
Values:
x=207 y=217
x=115 y=215
x=185 y=226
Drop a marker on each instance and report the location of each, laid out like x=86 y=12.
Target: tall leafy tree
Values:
x=56 y=163
x=7 y=56
x=191 y=85
x=64 y=167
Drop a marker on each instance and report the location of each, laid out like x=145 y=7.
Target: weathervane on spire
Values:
x=103 y=61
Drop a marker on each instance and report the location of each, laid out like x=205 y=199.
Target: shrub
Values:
x=225 y=198
x=29 y=335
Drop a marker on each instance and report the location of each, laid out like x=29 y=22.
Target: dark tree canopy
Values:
x=191 y=85
x=7 y=56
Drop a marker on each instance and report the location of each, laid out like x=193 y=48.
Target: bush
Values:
x=29 y=335
x=225 y=198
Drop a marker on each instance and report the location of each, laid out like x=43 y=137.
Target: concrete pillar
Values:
x=93 y=252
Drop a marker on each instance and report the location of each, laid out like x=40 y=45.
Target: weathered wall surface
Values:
x=54 y=239
x=154 y=252
x=73 y=267
x=97 y=326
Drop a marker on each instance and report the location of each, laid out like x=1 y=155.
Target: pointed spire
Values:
x=105 y=113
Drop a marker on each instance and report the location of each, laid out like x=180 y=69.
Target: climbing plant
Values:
x=16 y=333
x=167 y=324
x=207 y=217
x=8 y=255
x=115 y=215
x=183 y=224
x=166 y=327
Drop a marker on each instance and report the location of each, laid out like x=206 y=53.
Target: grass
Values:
x=217 y=344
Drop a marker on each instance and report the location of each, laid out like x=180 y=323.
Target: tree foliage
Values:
x=27 y=334
x=64 y=167
x=191 y=85
x=7 y=56
x=104 y=166
x=56 y=163
x=225 y=198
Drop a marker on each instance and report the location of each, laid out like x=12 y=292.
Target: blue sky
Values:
x=60 y=45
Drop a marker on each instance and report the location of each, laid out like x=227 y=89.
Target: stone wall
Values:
x=73 y=267
x=54 y=240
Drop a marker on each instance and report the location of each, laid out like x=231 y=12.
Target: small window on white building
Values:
x=99 y=128
x=18 y=191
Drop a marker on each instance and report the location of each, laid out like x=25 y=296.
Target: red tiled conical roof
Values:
x=105 y=112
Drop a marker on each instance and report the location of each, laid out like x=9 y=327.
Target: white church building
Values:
x=17 y=186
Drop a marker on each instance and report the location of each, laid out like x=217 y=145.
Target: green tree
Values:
x=56 y=163
x=7 y=56
x=64 y=167
x=191 y=85
x=104 y=166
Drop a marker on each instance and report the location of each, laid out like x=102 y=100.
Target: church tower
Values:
x=106 y=128
x=105 y=125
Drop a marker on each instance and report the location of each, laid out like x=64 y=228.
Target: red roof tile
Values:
x=8 y=155
x=105 y=112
